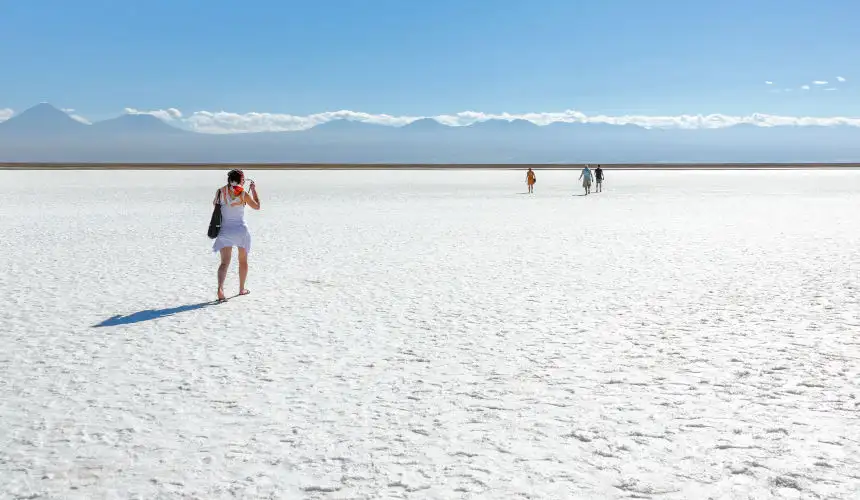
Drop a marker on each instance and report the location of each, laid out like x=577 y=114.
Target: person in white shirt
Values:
x=586 y=179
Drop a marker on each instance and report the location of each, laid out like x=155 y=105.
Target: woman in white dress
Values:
x=234 y=232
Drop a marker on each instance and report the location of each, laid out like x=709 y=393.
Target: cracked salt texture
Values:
x=433 y=335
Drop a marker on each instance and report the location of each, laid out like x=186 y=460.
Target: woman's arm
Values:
x=253 y=199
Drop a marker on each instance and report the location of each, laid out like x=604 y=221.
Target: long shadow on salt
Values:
x=150 y=314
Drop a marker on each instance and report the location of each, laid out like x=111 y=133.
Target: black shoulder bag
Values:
x=215 y=222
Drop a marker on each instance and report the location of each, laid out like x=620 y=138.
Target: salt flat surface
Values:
x=433 y=335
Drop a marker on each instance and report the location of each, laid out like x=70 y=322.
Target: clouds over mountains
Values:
x=45 y=133
x=225 y=122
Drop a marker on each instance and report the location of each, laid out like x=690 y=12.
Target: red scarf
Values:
x=237 y=190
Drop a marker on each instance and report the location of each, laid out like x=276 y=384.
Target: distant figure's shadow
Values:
x=151 y=314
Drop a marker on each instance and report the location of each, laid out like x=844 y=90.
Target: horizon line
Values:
x=671 y=166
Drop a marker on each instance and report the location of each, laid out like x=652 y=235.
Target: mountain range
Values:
x=44 y=133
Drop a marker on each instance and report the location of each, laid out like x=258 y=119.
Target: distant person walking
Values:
x=586 y=179
x=530 y=180
x=598 y=176
x=234 y=232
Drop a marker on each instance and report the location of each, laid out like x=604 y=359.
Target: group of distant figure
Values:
x=227 y=225
x=586 y=177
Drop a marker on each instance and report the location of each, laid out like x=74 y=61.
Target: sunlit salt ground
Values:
x=433 y=335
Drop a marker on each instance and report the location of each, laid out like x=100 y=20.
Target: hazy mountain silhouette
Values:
x=136 y=124
x=344 y=125
x=504 y=126
x=44 y=133
x=425 y=125
x=41 y=120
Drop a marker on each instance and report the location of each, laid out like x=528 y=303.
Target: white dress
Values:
x=234 y=232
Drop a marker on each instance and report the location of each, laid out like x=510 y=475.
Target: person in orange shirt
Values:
x=530 y=180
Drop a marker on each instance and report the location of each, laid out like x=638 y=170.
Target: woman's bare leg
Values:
x=243 y=269
x=226 y=255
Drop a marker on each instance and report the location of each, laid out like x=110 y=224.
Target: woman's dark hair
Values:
x=235 y=175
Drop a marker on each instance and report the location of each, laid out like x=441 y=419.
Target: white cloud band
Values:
x=226 y=122
x=80 y=119
x=164 y=114
x=223 y=122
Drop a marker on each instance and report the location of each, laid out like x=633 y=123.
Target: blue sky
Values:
x=424 y=58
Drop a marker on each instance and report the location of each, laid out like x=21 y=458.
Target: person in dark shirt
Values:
x=598 y=176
